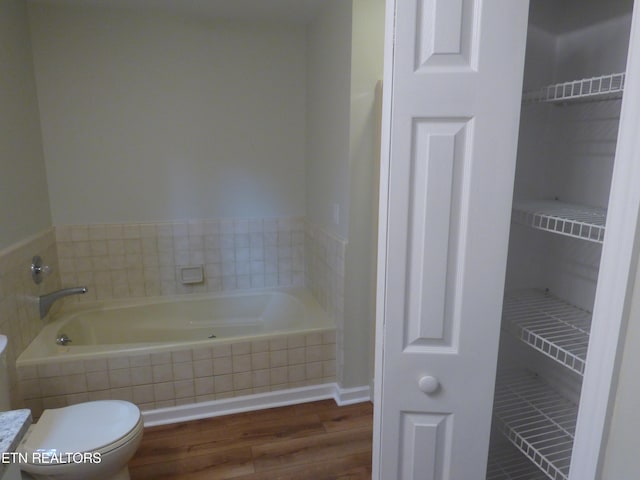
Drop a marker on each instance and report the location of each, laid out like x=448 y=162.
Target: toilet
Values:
x=86 y=441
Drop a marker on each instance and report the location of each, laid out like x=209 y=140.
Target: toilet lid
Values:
x=85 y=427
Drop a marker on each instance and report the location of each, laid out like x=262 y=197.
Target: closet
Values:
x=573 y=87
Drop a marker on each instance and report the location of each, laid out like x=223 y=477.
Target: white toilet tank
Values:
x=5 y=396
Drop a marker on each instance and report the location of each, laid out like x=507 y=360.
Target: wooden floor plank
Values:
x=202 y=441
x=314 y=407
x=311 y=449
x=315 y=441
x=223 y=464
x=347 y=418
x=355 y=467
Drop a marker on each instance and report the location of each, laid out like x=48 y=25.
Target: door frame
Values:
x=383 y=203
x=614 y=293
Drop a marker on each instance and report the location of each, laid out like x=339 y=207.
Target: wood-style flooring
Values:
x=311 y=441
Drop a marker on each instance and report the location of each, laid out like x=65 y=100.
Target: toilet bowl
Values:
x=86 y=441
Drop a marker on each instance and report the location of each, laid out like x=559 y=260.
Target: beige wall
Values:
x=153 y=117
x=24 y=204
x=345 y=56
x=328 y=110
x=360 y=270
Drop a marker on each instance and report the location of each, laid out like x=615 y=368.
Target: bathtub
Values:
x=179 y=351
x=103 y=329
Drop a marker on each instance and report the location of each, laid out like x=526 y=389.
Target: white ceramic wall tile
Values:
x=143 y=394
x=54 y=402
x=242 y=381
x=278 y=344
x=184 y=389
x=181 y=356
x=183 y=376
x=223 y=383
x=140 y=361
x=279 y=375
x=261 y=378
x=95 y=395
x=313 y=339
x=141 y=375
x=118 y=363
x=19 y=316
x=297 y=373
x=183 y=371
x=120 y=378
x=125 y=393
x=297 y=356
x=314 y=370
x=203 y=386
x=97 y=381
x=259 y=360
x=314 y=353
x=278 y=358
x=137 y=260
x=163 y=391
x=241 y=363
x=203 y=368
x=161 y=358
x=329 y=368
x=324 y=271
x=221 y=351
x=260 y=346
x=222 y=366
x=162 y=373
x=30 y=388
x=49 y=370
x=242 y=348
x=77 y=398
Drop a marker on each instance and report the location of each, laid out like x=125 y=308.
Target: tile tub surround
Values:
x=182 y=377
x=138 y=260
x=324 y=270
x=19 y=315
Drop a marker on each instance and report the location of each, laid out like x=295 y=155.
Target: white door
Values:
x=453 y=83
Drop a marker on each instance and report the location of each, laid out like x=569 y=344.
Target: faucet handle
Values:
x=39 y=270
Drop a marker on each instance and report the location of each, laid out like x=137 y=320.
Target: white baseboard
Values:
x=258 y=401
x=349 y=396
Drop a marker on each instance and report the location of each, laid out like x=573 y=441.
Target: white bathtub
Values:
x=151 y=325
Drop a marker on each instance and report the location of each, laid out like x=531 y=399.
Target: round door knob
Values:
x=428 y=384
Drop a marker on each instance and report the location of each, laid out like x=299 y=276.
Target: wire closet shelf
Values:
x=577 y=221
x=604 y=87
x=550 y=325
x=537 y=420
x=508 y=463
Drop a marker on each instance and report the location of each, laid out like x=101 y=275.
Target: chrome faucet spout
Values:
x=46 y=301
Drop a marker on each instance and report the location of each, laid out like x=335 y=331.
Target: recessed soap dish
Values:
x=191 y=274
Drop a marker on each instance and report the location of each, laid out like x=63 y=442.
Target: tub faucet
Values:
x=46 y=301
